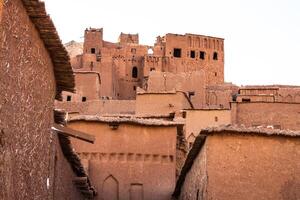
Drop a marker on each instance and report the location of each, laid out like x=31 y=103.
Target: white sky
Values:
x=262 y=37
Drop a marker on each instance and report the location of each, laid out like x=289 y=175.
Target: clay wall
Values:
x=161 y=104
x=220 y=96
x=195 y=183
x=275 y=177
x=93 y=40
x=193 y=84
x=128 y=38
x=87 y=85
x=27 y=87
x=99 y=107
x=190 y=59
x=273 y=93
x=130 y=161
x=200 y=119
x=62 y=175
x=278 y=115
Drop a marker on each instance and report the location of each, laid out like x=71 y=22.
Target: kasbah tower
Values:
x=125 y=121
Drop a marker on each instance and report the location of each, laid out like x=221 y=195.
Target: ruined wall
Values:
x=130 y=161
x=267 y=165
x=279 y=115
x=200 y=119
x=100 y=107
x=26 y=107
x=158 y=104
x=192 y=83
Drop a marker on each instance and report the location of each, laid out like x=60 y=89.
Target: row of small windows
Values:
x=69 y=98
x=202 y=54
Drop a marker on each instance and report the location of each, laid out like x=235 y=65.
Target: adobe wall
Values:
x=189 y=42
x=160 y=104
x=27 y=88
x=62 y=175
x=130 y=160
x=195 y=184
x=100 y=107
x=220 y=96
x=87 y=87
x=193 y=82
x=280 y=115
x=200 y=119
x=267 y=165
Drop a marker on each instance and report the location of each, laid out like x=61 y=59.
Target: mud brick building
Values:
x=35 y=161
x=232 y=162
x=132 y=158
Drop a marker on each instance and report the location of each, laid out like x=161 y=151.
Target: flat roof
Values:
x=125 y=120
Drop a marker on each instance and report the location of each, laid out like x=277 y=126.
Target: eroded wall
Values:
x=131 y=160
x=26 y=107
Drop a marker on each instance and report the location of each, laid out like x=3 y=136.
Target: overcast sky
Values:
x=262 y=37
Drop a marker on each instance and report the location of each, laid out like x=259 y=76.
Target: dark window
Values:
x=93 y=50
x=215 y=57
x=202 y=55
x=83 y=99
x=245 y=100
x=184 y=114
x=69 y=98
x=134 y=88
x=191 y=94
x=193 y=54
x=177 y=53
x=216 y=73
x=152 y=69
x=197 y=198
x=134 y=73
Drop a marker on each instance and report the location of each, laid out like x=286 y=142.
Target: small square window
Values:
x=134 y=88
x=69 y=98
x=93 y=50
x=177 y=53
x=202 y=55
x=193 y=54
x=83 y=99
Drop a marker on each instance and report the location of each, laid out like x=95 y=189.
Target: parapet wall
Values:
x=100 y=107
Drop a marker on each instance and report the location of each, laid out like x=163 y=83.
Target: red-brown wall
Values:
x=129 y=160
x=281 y=115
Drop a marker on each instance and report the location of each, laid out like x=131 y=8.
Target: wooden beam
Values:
x=73 y=133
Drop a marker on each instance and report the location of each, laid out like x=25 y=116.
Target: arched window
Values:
x=215 y=57
x=134 y=72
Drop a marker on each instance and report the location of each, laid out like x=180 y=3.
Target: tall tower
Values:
x=93 y=40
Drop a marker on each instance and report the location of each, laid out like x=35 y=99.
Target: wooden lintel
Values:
x=74 y=133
